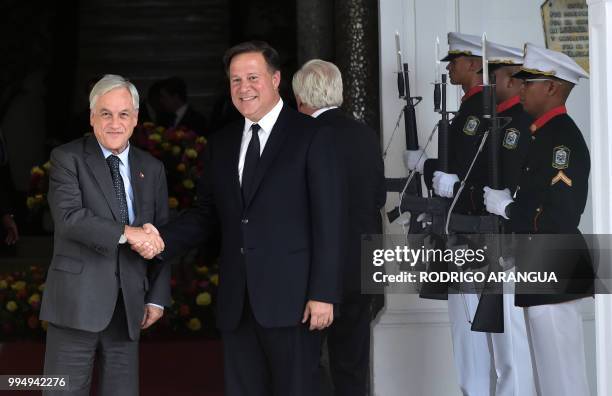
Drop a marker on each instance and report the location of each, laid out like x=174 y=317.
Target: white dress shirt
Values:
x=322 y=110
x=265 y=124
x=180 y=113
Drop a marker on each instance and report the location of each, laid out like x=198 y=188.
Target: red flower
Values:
x=184 y=310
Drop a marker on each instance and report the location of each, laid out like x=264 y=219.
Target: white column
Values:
x=600 y=38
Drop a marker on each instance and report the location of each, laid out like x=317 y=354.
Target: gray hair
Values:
x=318 y=84
x=108 y=83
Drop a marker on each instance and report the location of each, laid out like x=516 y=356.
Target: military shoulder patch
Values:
x=561 y=157
x=471 y=125
x=511 y=138
x=561 y=176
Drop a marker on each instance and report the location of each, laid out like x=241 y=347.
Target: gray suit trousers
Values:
x=71 y=352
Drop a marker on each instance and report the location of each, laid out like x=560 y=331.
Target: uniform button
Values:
x=245 y=221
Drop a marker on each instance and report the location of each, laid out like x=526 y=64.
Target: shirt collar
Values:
x=549 y=115
x=322 y=110
x=180 y=113
x=266 y=123
x=473 y=91
x=508 y=103
x=123 y=156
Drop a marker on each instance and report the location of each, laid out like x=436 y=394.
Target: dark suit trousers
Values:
x=72 y=352
x=260 y=361
x=348 y=344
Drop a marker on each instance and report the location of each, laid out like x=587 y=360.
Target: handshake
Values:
x=144 y=240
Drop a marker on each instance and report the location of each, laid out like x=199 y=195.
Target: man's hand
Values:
x=415 y=160
x=12 y=234
x=444 y=184
x=497 y=200
x=321 y=314
x=151 y=315
x=145 y=241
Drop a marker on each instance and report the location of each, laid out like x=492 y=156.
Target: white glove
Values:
x=443 y=183
x=497 y=200
x=415 y=160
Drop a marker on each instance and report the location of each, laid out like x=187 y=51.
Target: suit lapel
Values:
x=278 y=135
x=96 y=162
x=137 y=177
x=235 y=140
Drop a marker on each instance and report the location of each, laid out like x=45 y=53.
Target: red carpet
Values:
x=177 y=368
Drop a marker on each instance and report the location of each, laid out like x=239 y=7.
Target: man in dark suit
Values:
x=318 y=92
x=99 y=293
x=272 y=185
x=173 y=100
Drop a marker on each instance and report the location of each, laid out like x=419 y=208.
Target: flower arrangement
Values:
x=179 y=149
x=39 y=185
x=20 y=297
x=191 y=313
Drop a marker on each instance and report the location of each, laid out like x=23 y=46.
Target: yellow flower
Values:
x=188 y=184
x=176 y=150
x=41 y=287
x=166 y=146
x=44 y=324
x=215 y=279
x=3 y=284
x=180 y=134
x=160 y=129
x=148 y=124
x=191 y=153
x=201 y=140
x=156 y=137
x=39 y=197
x=37 y=170
x=34 y=298
x=203 y=299
x=201 y=270
x=47 y=165
x=181 y=167
x=194 y=324
x=11 y=306
x=30 y=202
x=19 y=285
x=173 y=202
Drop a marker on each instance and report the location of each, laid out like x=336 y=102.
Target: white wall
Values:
x=412 y=350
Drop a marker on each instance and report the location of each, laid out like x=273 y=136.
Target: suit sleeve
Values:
x=327 y=205
x=199 y=223
x=158 y=273
x=73 y=221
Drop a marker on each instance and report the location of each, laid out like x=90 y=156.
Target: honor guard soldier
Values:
x=550 y=199
x=510 y=349
x=470 y=349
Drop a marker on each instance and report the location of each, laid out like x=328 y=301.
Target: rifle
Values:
x=489 y=316
x=414 y=187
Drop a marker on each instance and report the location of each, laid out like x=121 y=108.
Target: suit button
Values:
x=245 y=221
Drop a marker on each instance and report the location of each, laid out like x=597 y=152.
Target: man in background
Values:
x=318 y=92
x=173 y=101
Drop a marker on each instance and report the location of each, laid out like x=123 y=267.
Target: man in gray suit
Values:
x=104 y=196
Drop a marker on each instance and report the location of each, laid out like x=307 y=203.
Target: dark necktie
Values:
x=250 y=162
x=113 y=163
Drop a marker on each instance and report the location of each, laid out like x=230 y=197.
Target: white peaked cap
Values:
x=545 y=62
x=460 y=44
x=504 y=55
